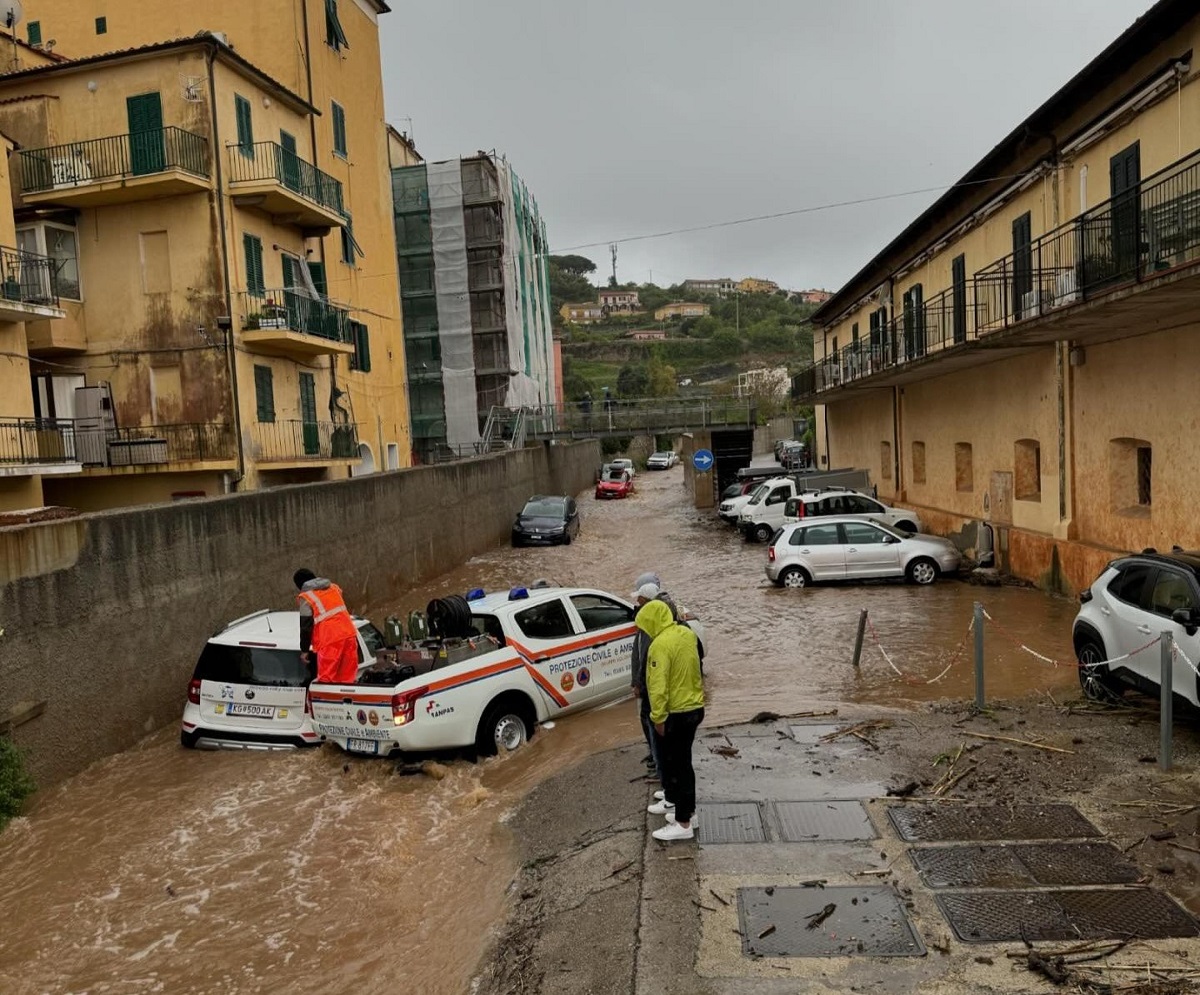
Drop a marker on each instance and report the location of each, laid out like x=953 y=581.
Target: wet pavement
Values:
x=164 y=870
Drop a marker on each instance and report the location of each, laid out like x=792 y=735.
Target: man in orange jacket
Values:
x=326 y=627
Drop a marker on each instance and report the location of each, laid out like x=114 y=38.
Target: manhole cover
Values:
x=810 y=735
x=824 y=820
x=946 y=823
x=1021 y=865
x=729 y=822
x=1094 y=914
x=866 y=921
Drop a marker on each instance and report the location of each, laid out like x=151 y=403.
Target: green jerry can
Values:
x=418 y=626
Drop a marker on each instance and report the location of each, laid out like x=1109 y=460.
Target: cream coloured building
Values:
x=1020 y=355
x=212 y=182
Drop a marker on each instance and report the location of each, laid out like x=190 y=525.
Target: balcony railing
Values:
x=37 y=441
x=142 y=153
x=293 y=311
x=1153 y=227
x=296 y=440
x=28 y=278
x=271 y=161
x=157 y=444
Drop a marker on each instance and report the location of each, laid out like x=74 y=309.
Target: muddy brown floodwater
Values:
x=166 y=870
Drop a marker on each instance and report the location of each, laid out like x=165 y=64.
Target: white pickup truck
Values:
x=763 y=513
x=731 y=508
x=530 y=655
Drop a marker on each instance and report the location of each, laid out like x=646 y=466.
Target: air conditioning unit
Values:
x=70 y=170
x=1065 y=289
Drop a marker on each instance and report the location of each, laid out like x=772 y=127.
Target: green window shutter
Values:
x=350 y=246
x=101 y=25
x=255 y=283
x=339 y=128
x=35 y=32
x=317 y=272
x=245 y=126
x=335 y=37
x=361 y=360
x=264 y=393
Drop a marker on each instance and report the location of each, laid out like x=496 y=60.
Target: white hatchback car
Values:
x=846 y=548
x=1128 y=606
x=624 y=464
x=250 y=688
x=845 y=502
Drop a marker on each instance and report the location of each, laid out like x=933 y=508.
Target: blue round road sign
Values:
x=703 y=459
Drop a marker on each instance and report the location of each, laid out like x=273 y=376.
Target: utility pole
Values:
x=737 y=311
x=613 y=249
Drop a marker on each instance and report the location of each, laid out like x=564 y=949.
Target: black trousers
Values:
x=675 y=754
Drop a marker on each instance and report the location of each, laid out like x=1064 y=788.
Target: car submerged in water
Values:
x=616 y=483
x=546 y=520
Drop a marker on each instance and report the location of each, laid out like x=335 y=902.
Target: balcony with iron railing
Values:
x=297 y=442
x=1141 y=247
x=35 y=446
x=267 y=177
x=293 y=323
x=150 y=448
x=116 y=169
x=29 y=291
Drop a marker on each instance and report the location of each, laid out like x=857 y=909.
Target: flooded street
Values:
x=164 y=870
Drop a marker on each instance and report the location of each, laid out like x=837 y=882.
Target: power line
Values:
x=789 y=214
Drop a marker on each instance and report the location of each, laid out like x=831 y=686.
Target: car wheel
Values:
x=922 y=571
x=794 y=577
x=567 y=538
x=502 y=730
x=907 y=526
x=1094 y=677
x=762 y=533
x=188 y=740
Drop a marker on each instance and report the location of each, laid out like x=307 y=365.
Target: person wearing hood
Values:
x=326 y=628
x=648 y=588
x=676 y=693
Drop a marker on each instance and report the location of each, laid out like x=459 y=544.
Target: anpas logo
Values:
x=434 y=712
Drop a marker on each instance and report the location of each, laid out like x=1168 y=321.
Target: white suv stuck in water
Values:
x=1128 y=606
x=250 y=688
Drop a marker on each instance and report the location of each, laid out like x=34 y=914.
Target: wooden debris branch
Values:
x=858 y=730
x=1019 y=742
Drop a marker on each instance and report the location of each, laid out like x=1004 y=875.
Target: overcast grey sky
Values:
x=627 y=117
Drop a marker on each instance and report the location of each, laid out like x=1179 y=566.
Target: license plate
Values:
x=245 y=708
x=362 y=746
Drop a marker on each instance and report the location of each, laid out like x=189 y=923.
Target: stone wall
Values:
x=102 y=616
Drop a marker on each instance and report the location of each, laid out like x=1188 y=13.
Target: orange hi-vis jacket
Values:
x=331 y=618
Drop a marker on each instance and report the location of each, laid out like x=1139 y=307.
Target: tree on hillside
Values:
x=575 y=265
x=661 y=377
x=567 y=287
x=633 y=381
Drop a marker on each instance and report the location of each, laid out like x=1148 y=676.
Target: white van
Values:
x=249 y=690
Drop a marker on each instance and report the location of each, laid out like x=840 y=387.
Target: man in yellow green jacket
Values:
x=675 y=690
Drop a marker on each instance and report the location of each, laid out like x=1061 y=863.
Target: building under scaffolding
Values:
x=476 y=298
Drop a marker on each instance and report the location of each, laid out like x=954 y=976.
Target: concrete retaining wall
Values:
x=103 y=616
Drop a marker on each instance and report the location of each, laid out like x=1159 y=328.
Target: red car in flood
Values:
x=614 y=484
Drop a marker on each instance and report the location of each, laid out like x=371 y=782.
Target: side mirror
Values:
x=1187 y=617
x=893 y=540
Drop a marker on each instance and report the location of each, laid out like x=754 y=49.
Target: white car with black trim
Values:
x=249 y=687
x=1123 y=614
x=526 y=656
x=848 y=548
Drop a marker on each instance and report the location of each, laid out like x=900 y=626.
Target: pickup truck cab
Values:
x=763 y=513
x=533 y=655
x=731 y=508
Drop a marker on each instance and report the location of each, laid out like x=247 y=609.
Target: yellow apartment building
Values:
x=682 y=309
x=1020 y=356
x=753 y=285
x=216 y=204
x=581 y=314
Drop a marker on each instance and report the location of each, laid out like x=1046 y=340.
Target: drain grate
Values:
x=729 y=822
x=938 y=824
x=865 y=921
x=1021 y=865
x=1094 y=914
x=823 y=820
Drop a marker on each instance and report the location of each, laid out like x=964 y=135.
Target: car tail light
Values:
x=800 y=509
x=308 y=703
x=194 y=691
x=1085 y=595
x=404 y=705
x=771 y=554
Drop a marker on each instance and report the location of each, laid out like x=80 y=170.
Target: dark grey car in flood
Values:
x=546 y=520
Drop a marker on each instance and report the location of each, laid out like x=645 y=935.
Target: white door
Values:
x=602 y=670
x=774 y=507
x=549 y=641
x=1131 y=624
x=819 y=549
x=1171 y=591
x=870 y=551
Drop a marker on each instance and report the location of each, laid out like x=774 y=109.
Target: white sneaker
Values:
x=659 y=795
x=660 y=807
x=673 y=831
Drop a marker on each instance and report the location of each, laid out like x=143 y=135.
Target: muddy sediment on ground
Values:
x=583 y=836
